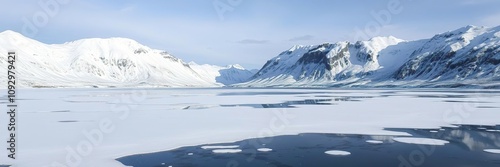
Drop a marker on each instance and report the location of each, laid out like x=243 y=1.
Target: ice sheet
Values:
x=422 y=141
x=337 y=153
x=222 y=151
x=264 y=149
x=374 y=141
x=218 y=147
x=152 y=120
x=494 y=151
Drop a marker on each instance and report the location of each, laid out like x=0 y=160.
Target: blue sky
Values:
x=247 y=32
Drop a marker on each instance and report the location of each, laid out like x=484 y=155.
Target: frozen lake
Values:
x=94 y=127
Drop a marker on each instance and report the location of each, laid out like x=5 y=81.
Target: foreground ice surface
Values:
x=57 y=125
x=422 y=141
x=494 y=151
x=466 y=148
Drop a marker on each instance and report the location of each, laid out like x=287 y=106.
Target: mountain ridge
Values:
x=465 y=57
x=458 y=57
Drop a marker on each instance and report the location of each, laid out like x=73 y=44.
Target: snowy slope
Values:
x=322 y=64
x=467 y=57
x=467 y=53
x=99 y=62
x=306 y=63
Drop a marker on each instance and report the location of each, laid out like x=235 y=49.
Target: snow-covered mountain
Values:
x=107 y=62
x=469 y=56
x=466 y=57
x=467 y=53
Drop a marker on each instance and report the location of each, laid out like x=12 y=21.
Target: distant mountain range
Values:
x=466 y=57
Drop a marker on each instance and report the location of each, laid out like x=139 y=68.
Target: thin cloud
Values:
x=302 y=38
x=253 y=41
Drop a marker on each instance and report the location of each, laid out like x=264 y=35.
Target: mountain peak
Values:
x=123 y=44
x=15 y=39
x=295 y=47
x=237 y=66
x=10 y=33
x=385 y=38
x=107 y=40
x=470 y=26
x=463 y=30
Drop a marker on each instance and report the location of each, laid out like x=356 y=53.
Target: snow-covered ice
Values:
x=422 y=141
x=264 y=149
x=222 y=151
x=218 y=147
x=337 y=152
x=374 y=141
x=494 y=151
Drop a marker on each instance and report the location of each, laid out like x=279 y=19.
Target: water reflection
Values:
x=458 y=101
x=287 y=104
x=267 y=93
x=470 y=137
x=465 y=149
